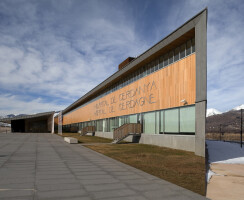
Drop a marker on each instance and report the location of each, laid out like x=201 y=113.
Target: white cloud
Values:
x=60 y=51
x=225 y=48
x=13 y=104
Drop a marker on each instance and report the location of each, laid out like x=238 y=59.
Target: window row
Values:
x=171 y=121
x=157 y=64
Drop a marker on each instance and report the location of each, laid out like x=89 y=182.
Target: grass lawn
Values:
x=179 y=167
x=87 y=138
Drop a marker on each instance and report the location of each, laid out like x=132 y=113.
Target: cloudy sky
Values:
x=53 y=52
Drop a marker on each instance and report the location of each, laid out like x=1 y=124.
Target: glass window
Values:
x=188 y=47
x=152 y=67
x=157 y=122
x=165 y=60
x=149 y=123
x=137 y=75
x=172 y=121
x=161 y=121
x=144 y=71
x=113 y=123
x=141 y=72
x=161 y=62
x=105 y=125
x=182 y=51
x=133 y=118
x=187 y=119
x=193 y=45
x=176 y=54
x=171 y=56
x=156 y=64
x=100 y=125
x=121 y=120
x=126 y=119
x=148 y=69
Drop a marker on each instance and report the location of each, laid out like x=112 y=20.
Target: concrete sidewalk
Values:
x=228 y=183
x=43 y=166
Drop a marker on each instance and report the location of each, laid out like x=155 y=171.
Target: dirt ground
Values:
x=3 y=129
x=228 y=183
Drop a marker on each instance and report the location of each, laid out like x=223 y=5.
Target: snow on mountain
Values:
x=213 y=111
x=239 y=107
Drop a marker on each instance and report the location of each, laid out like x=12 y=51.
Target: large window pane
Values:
x=172 y=121
x=187 y=119
x=161 y=121
x=105 y=125
x=149 y=123
x=121 y=120
x=113 y=123
x=100 y=125
x=133 y=118
x=157 y=122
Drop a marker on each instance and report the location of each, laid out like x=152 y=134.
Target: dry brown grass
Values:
x=179 y=167
x=87 y=138
x=225 y=136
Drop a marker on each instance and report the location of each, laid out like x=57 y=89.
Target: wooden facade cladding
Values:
x=162 y=89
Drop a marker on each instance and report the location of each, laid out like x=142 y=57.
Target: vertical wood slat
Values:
x=174 y=83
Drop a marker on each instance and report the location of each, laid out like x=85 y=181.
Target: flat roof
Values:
x=8 y=120
x=183 y=29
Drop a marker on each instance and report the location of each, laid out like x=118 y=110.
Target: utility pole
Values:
x=241 y=128
x=220 y=131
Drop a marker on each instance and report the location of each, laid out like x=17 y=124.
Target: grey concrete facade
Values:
x=43 y=166
x=201 y=82
x=182 y=142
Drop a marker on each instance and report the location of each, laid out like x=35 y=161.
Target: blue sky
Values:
x=54 y=51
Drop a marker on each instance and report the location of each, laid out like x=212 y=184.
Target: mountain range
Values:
x=228 y=122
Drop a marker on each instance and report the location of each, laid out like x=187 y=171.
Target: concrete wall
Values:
x=104 y=134
x=182 y=142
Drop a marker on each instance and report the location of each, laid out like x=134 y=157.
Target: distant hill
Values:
x=12 y=115
x=225 y=122
x=9 y=116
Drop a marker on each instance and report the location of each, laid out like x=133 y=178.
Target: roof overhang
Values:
x=38 y=115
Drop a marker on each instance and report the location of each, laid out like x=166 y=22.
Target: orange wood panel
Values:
x=159 y=90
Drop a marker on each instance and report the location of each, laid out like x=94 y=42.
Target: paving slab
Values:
x=227 y=183
x=43 y=166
